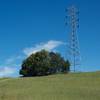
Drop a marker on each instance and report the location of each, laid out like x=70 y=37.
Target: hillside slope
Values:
x=77 y=86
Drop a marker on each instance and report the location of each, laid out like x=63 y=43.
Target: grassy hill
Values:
x=74 y=86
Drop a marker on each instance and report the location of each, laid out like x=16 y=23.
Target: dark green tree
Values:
x=44 y=63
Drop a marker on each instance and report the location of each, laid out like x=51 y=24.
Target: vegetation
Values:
x=44 y=63
x=78 y=86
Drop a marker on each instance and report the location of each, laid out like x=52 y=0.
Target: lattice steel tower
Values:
x=73 y=44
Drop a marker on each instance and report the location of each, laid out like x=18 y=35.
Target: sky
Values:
x=27 y=26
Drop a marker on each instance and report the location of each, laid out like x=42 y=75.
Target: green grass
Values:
x=74 y=86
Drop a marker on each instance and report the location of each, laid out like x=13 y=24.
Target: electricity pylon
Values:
x=73 y=44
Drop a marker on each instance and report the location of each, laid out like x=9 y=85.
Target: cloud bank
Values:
x=50 y=45
x=7 y=71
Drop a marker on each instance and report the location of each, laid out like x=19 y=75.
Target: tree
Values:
x=66 y=66
x=44 y=63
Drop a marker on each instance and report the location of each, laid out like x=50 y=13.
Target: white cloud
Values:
x=50 y=45
x=13 y=61
x=7 y=71
x=10 y=66
x=10 y=60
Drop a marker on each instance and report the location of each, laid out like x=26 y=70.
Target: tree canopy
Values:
x=44 y=63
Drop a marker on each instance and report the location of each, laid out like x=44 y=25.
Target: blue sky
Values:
x=30 y=25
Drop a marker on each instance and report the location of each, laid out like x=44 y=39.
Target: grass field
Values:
x=73 y=86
